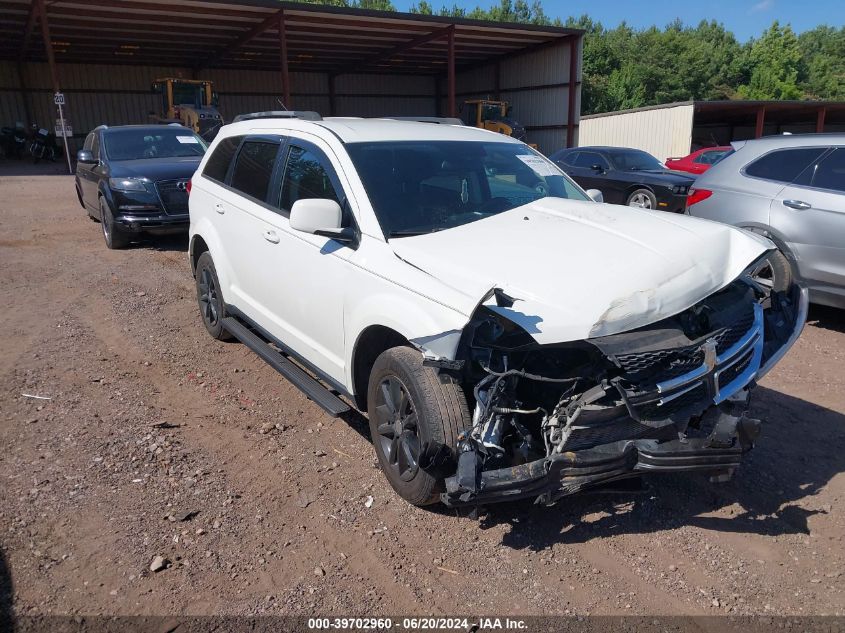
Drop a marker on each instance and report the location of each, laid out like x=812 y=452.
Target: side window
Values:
x=830 y=173
x=784 y=165
x=569 y=159
x=306 y=176
x=218 y=163
x=588 y=159
x=254 y=167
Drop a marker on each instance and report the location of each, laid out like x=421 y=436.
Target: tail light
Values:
x=188 y=187
x=697 y=195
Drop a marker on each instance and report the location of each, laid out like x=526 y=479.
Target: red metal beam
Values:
x=572 y=90
x=761 y=119
x=452 y=110
x=48 y=45
x=399 y=49
x=254 y=32
x=820 y=119
x=28 y=29
x=283 y=51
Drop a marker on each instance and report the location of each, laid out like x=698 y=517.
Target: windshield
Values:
x=635 y=160
x=419 y=187
x=166 y=142
x=189 y=94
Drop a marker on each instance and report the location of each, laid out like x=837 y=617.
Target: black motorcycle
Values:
x=43 y=146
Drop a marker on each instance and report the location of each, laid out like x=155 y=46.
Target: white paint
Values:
x=577 y=269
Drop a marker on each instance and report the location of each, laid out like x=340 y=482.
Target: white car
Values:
x=507 y=335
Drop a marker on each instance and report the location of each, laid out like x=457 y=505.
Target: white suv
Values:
x=507 y=335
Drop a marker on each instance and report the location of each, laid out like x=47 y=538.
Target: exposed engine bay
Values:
x=551 y=420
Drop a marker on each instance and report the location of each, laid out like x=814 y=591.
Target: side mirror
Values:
x=323 y=217
x=85 y=156
x=596 y=195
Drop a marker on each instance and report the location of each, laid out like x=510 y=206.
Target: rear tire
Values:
x=114 y=236
x=210 y=298
x=642 y=199
x=415 y=414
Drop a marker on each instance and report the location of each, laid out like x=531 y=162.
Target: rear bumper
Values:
x=718 y=454
x=671 y=202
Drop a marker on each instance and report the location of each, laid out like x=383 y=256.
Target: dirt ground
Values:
x=158 y=441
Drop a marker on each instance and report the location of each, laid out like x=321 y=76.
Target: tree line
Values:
x=625 y=67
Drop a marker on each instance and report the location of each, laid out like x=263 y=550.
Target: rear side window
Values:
x=218 y=163
x=567 y=159
x=589 y=159
x=254 y=167
x=710 y=158
x=306 y=176
x=784 y=165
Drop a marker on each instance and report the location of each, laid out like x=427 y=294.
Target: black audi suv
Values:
x=136 y=178
x=626 y=176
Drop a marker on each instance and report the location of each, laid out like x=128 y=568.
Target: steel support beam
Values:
x=332 y=96
x=761 y=120
x=384 y=56
x=820 y=116
x=572 y=90
x=48 y=45
x=247 y=37
x=28 y=29
x=452 y=109
x=283 y=52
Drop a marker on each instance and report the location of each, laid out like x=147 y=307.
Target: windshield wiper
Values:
x=414 y=232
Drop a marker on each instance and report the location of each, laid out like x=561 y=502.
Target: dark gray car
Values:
x=792 y=190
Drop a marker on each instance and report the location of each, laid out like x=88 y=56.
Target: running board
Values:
x=315 y=391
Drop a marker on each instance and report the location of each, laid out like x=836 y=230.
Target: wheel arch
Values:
x=779 y=241
x=197 y=247
x=370 y=344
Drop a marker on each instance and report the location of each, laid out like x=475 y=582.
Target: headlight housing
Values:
x=680 y=189
x=128 y=184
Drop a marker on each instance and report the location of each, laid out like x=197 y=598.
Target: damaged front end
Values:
x=552 y=420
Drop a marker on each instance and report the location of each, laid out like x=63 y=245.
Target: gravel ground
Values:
x=157 y=441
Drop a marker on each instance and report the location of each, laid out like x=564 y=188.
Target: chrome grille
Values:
x=173 y=196
x=726 y=363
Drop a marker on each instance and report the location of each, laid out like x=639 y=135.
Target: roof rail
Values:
x=279 y=114
x=442 y=120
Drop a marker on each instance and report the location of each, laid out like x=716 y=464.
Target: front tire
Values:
x=114 y=236
x=642 y=199
x=416 y=416
x=774 y=272
x=210 y=298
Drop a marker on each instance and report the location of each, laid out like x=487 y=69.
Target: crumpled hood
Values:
x=580 y=269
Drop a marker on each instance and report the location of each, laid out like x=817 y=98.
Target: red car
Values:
x=699 y=161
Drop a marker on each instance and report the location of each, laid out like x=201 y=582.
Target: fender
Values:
x=405 y=312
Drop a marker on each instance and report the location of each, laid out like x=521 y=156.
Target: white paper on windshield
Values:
x=538 y=165
x=187 y=139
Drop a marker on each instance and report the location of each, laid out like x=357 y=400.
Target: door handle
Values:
x=219 y=208
x=271 y=237
x=800 y=205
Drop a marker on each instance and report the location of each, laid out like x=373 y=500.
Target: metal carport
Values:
x=104 y=55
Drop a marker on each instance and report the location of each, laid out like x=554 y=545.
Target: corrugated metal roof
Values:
x=245 y=35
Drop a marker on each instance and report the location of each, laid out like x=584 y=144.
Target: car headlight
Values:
x=680 y=189
x=128 y=184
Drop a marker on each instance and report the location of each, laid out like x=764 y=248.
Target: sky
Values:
x=746 y=18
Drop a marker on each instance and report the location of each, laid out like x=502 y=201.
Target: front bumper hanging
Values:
x=562 y=474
